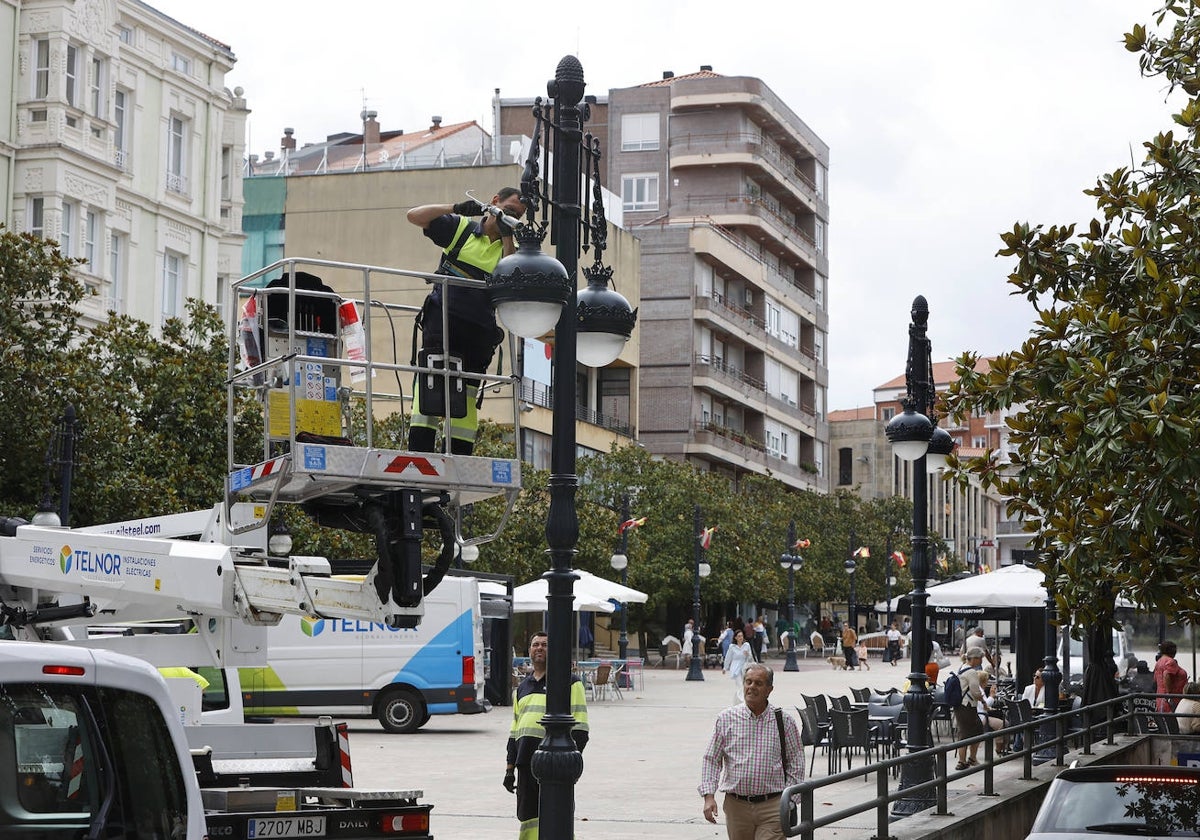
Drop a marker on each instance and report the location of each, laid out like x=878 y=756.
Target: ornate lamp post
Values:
x=890 y=580
x=851 y=601
x=915 y=438
x=533 y=293
x=620 y=562
x=792 y=562
x=702 y=569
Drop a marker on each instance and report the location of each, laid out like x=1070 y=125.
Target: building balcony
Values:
x=742 y=453
x=749 y=150
x=722 y=370
x=720 y=245
x=733 y=210
x=761 y=103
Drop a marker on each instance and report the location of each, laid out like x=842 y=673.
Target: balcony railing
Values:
x=730 y=141
x=177 y=183
x=724 y=204
x=727 y=371
x=722 y=303
x=535 y=393
x=121 y=159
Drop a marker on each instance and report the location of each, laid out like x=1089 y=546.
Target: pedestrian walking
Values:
x=754 y=753
x=737 y=658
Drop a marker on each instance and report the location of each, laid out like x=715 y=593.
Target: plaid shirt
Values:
x=743 y=754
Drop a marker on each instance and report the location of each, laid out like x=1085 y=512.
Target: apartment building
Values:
x=122 y=143
x=972 y=520
x=725 y=188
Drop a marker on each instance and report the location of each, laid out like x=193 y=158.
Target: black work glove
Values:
x=510 y=781
x=471 y=207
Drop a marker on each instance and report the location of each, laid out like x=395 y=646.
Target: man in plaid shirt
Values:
x=745 y=760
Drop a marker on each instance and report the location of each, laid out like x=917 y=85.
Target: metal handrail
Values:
x=1034 y=750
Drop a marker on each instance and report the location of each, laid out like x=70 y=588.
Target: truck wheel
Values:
x=401 y=711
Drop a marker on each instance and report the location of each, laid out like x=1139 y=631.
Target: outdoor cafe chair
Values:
x=812 y=734
x=852 y=732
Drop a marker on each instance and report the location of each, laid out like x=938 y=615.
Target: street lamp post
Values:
x=620 y=562
x=916 y=438
x=696 y=667
x=890 y=579
x=532 y=293
x=851 y=601
x=792 y=562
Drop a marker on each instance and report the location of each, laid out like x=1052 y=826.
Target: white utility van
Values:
x=1122 y=655
x=401 y=676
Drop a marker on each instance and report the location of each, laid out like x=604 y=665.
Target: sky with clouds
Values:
x=947 y=122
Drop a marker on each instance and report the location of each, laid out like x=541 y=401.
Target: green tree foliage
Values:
x=751 y=521
x=38 y=296
x=151 y=409
x=1104 y=394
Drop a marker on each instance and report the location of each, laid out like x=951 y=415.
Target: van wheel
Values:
x=401 y=711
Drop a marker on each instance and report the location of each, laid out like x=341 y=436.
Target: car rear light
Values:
x=468 y=674
x=1153 y=780
x=404 y=823
x=63 y=670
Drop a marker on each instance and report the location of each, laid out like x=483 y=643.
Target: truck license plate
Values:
x=292 y=826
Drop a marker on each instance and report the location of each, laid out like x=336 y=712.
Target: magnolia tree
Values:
x=1103 y=399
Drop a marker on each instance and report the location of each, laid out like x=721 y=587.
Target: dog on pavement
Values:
x=838 y=662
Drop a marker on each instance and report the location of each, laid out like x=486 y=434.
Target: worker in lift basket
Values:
x=470 y=248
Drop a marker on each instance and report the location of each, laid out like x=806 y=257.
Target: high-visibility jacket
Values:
x=470 y=253
x=529 y=707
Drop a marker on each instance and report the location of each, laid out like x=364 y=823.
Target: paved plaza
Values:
x=641 y=766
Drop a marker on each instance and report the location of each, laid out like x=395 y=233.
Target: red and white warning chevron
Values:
x=267 y=468
x=343 y=739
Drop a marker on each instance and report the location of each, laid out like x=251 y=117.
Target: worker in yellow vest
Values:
x=529 y=707
x=470 y=249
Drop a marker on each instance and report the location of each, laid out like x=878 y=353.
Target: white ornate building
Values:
x=123 y=144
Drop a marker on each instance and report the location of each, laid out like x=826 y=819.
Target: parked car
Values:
x=1116 y=801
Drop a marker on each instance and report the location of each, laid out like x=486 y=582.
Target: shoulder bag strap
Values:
x=782 y=739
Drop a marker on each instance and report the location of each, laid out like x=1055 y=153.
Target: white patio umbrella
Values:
x=531 y=597
x=592 y=593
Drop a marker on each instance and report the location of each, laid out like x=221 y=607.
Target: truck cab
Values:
x=96 y=749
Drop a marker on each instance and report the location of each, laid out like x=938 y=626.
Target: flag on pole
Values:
x=901 y=560
x=863 y=552
x=802 y=544
x=706 y=537
x=629 y=524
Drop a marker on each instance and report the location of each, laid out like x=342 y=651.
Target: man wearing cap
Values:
x=966 y=713
x=754 y=753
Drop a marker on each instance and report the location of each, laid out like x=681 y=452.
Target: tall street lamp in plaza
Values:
x=851 y=601
x=915 y=438
x=702 y=569
x=532 y=293
x=792 y=561
x=891 y=578
x=620 y=562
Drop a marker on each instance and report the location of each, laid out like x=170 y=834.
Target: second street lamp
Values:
x=620 y=562
x=702 y=569
x=792 y=562
x=913 y=436
x=530 y=290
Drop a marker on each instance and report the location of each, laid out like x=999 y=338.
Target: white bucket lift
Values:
x=296 y=348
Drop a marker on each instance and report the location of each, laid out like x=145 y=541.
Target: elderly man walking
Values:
x=753 y=754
